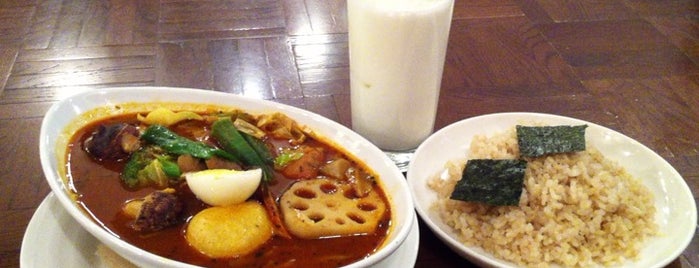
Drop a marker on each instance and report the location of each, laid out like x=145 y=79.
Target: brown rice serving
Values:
x=576 y=209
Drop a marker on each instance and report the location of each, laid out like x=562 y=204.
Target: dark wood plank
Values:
x=70 y=22
x=23 y=185
x=43 y=24
x=534 y=11
x=605 y=36
x=183 y=20
x=185 y=64
x=481 y=9
x=504 y=53
x=690 y=258
x=120 y=23
x=587 y=10
x=655 y=8
x=281 y=64
x=15 y=222
x=8 y=53
x=22 y=110
x=323 y=63
x=13 y=24
x=145 y=27
x=30 y=187
x=663 y=126
x=342 y=103
x=454 y=107
x=627 y=48
x=682 y=31
x=93 y=24
x=439 y=255
x=86 y=53
x=631 y=65
x=83 y=66
x=26 y=98
x=309 y=17
x=261 y=68
x=17 y=3
x=81 y=78
x=322 y=105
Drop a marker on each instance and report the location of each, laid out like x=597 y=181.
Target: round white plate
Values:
x=676 y=213
x=54 y=239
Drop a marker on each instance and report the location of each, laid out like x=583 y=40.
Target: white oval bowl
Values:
x=676 y=212
x=68 y=114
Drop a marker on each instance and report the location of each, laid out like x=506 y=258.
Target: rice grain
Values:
x=576 y=209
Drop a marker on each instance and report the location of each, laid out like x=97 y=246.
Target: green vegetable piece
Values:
x=138 y=161
x=170 y=168
x=235 y=143
x=544 y=140
x=287 y=157
x=152 y=174
x=176 y=144
x=149 y=166
x=248 y=128
x=264 y=154
x=491 y=181
x=260 y=148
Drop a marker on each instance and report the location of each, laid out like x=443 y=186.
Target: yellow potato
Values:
x=229 y=231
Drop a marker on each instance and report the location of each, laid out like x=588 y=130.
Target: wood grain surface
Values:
x=631 y=65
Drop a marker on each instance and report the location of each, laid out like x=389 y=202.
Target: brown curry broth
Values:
x=101 y=193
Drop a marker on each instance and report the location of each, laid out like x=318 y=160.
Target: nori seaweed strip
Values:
x=543 y=140
x=491 y=181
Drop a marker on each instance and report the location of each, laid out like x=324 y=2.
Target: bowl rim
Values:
x=49 y=154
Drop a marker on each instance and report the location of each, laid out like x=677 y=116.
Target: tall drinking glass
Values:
x=397 y=50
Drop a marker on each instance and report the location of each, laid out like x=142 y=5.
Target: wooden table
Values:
x=631 y=65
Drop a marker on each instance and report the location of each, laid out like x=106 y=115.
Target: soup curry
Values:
x=324 y=208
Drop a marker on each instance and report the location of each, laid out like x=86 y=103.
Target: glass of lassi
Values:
x=396 y=50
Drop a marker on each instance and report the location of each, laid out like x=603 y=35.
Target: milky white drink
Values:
x=397 y=50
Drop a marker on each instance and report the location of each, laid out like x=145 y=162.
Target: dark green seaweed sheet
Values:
x=492 y=181
x=543 y=140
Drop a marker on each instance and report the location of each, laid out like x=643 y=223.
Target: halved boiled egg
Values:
x=223 y=187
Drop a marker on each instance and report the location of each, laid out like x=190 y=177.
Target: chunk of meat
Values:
x=188 y=163
x=336 y=168
x=307 y=166
x=362 y=183
x=158 y=210
x=216 y=162
x=113 y=142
